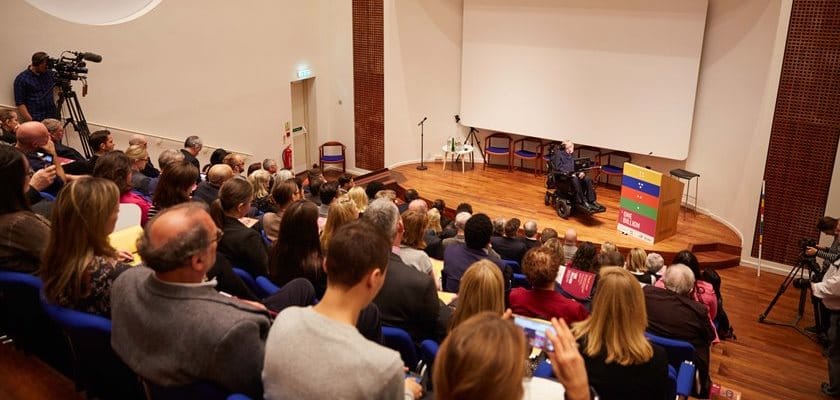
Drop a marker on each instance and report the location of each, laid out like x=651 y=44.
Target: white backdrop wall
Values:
x=217 y=69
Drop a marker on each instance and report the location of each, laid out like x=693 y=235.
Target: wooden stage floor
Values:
x=500 y=193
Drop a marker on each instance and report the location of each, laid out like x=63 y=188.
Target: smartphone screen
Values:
x=47 y=158
x=535 y=331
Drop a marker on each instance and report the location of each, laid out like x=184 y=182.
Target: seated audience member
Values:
x=357 y=261
x=482 y=289
x=33 y=140
x=620 y=362
x=357 y=194
x=498 y=228
x=140 y=140
x=372 y=189
x=485 y=358
x=546 y=234
x=608 y=259
x=464 y=207
x=297 y=251
x=176 y=183
x=327 y=193
x=170 y=325
x=259 y=180
x=346 y=182
x=270 y=166
x=636 y=264
x=510 y=247
x=57 y=134
x=242 y=245
x=23 y=234
x=440 y=205
x=283 y=194
x=584 y=258
x=208 y=190
x=284 y=175
x=569 y=245
x=412 y=245
x=387 y=194
x=216 y=158
x=529 y=229
x=703 y=291
x=556 y=246
x=236 y=163
x=418 y=205
x=116 y=167
x=410 y=195
x=408 y=298
x=79 y=264
x=458 y=257
x=655 y=264
x=460 y=221
x=192 y=146
x=169 y=157
x=541 y=266
x=313 y=191
x=434 y=244
x=433 y=221
x=256 y=166
x=608 y=246
x=673 y=313
x=8 y=125
x=342 y=211
x=101 y=142
x=139 y=158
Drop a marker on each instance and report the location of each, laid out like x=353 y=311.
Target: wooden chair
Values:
x=490 y=150
x=332 y=158
x=524 y=154
x=612 y=164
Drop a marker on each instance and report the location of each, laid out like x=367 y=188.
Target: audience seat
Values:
x=328 y=156
x=399 y=340
x=249 y=281
x=523 y=153
x=128 y=216
x=265 y=287
x=520 y=280
x=498 y=150
x=97 y=369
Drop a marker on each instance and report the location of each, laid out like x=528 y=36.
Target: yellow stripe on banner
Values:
x=643 y=174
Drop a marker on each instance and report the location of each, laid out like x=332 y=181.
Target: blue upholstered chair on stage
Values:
x=97 y=369
x=522 y=152
x=249 y=281
x=612 y=164
x=265 y=287
x=498 y=144
x=327 y=156
x=399 y=340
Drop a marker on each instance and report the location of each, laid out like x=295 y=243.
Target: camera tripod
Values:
x=75 y=116
x=798 y=272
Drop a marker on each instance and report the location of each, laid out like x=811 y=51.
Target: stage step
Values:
x=717 y=255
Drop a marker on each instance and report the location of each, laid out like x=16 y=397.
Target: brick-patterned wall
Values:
x=806 y=127
x=369 y=83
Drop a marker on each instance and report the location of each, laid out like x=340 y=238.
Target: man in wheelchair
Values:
x=574 y=188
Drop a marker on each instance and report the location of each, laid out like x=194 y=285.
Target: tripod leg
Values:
x=788 y=280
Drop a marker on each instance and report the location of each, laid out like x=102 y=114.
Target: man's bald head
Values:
x=171 y=239
x=570 y=238
x=32 y=135
x=219 y=173
x=139 y=140
x=418 y=205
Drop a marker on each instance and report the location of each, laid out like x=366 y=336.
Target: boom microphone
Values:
x=92 y=57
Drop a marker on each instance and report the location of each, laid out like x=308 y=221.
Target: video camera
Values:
x=810 y=262
x=71 y=65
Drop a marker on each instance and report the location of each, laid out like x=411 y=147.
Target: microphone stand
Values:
x=422 y=167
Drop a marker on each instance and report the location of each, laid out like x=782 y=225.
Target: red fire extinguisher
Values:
x=287 y=157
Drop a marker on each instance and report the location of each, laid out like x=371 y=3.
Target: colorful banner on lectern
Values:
x=639 y=203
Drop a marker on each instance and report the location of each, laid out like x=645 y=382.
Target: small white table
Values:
x=459 y=152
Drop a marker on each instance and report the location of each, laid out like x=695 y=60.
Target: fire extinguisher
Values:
x=287 y=157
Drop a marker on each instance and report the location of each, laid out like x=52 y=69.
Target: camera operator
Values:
x=829 y=291
x=34 y=89
x=828 y=226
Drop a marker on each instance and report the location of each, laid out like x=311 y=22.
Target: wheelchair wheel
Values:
x=547 y=198
x=564 y=209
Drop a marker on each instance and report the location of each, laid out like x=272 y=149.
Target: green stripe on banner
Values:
x=638 y=208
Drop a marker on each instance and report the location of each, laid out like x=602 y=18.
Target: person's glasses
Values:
x=219 y=234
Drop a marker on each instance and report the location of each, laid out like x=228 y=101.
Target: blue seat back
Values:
x=514 y=265
x=399 y=340
x=520 y=280
x=196 y=390
x=248 y=280
x=238 y=396
x=265 y=287
x=678 y=350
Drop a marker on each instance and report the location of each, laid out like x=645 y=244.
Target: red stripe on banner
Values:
x=636 y=221
x=640 y=197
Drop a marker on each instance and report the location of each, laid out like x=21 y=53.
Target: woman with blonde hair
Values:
x=482 y=289
x=620 y=362
x=358 y=195
x=637 y=265
x=139 y=158
x=342 y=210
x=485 y=358
x=260 y=180
x=79 y=264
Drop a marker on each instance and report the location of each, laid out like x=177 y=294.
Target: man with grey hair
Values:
x=171 y=326
x=57 y=134
x=460 y=221
x=192 y=146
x=569 y=245
x=530 y=232
x=655 y=264
x=270 y=165
x=408 y=298
x=418 y=205
x=168 y=157
x=674 y=314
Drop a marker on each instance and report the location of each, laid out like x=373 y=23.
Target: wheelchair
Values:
x=560 y=192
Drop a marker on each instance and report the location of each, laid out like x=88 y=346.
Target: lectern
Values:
x=650 y=204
